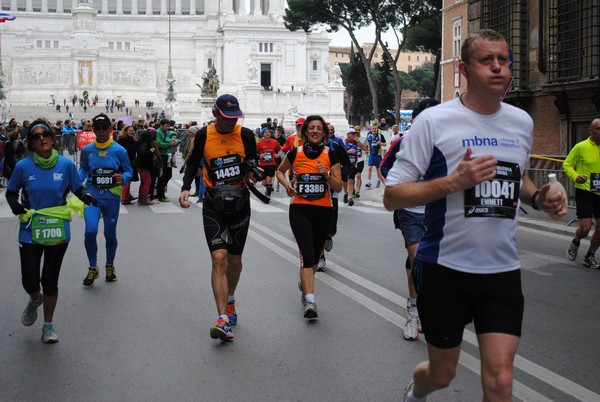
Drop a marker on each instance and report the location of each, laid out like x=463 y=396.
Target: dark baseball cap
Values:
x=424 y=104
x=101 y=120
x=228 y=106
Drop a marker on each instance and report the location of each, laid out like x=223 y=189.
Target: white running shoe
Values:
x=48 y=334
x=411 y=329
x=30 y=313
x=322 y=264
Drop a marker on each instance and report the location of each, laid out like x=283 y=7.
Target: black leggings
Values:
x=309 y=224
x=31 y=257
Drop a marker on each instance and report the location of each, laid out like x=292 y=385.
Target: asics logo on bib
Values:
x=475 y=210
x=479 y=142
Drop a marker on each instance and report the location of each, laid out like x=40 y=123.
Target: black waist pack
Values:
x=227 y=199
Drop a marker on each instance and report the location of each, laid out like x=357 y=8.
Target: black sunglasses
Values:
x=45 y=134
x=100 y=127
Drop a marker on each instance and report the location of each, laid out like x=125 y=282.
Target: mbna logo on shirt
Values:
x=479 y=142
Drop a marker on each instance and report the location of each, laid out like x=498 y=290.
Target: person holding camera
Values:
x=317 y=171
x=229 y=153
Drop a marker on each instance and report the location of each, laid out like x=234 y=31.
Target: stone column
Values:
x=177 y=7
x=255 y=7
x=277 y=7
x=13 y=5
x=227 y=6
x=104 y=7
x=59 y=7
x=45 y=6
x=242 y=8
x=119 y=7
x=148 y=7
x=163 y=7
x=211 y=7
x=192 y=7
x=134 y=8
x=74 y=4
x=29 y=6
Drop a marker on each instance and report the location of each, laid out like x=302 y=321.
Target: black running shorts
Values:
x=449 y=300
x=226 y=231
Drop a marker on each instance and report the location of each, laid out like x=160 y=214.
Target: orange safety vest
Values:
x=224 y=155
x=311 y=187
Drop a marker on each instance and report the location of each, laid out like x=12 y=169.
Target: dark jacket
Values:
x=143 y=151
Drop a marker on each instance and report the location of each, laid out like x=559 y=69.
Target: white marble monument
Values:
x=117 y=48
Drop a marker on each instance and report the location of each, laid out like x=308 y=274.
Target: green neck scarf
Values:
x=46 y=163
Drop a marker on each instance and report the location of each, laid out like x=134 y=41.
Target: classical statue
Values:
x=336 y=75
x=252 y=70
x=210 y=82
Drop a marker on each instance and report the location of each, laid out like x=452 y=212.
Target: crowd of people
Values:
x=432 y=181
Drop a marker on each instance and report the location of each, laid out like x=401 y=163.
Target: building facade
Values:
x=555 y=49
x=55 y=49
x=407 y=61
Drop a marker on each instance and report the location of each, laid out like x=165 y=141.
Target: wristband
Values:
x=328 y=176
x=533 y=201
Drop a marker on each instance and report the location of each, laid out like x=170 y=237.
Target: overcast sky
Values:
x=342 y=38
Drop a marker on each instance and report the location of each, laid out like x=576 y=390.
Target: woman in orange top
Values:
x=316 y=170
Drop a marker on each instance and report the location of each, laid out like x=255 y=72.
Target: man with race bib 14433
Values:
x=229 y=153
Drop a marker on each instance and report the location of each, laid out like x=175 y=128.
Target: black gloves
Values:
x=17 y=208
x=89 y=199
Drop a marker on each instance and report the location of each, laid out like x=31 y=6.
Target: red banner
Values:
x=85 y=138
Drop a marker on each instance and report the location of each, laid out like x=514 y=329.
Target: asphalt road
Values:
x=146 y=337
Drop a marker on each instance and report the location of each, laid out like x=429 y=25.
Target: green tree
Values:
x=424 y=77
x=360 y=102
x=425 y=34
x=335 y=14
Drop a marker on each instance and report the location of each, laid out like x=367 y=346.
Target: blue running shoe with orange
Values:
x=221 y=330
x=231 y=314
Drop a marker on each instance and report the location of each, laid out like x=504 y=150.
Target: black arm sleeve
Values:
x=389 y=160
x=334 y=158
x=193 y=162
x=12 y=197
x=249 y=144
x=341 y=153
x=80 y=193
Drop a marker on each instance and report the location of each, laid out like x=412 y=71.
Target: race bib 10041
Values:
x=496 y=198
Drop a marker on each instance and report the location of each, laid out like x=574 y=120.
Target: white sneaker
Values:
x=411 y=329
x=310 y=311
x=322 y=264
x=407 y=389
x=48 y=334
x=30 y=313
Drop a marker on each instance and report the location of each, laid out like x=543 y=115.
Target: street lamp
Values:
x=170 y=100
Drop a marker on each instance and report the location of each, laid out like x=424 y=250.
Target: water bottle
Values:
x=556 y=186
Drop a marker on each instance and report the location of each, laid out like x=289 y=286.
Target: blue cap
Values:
x=228 y=106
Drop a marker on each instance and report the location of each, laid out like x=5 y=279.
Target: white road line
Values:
x=520 y=390
x=367 y=210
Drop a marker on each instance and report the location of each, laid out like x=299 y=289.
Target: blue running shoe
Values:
x=221 y=330
x=30 y=313
x=231 y=314
x=48 y=334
